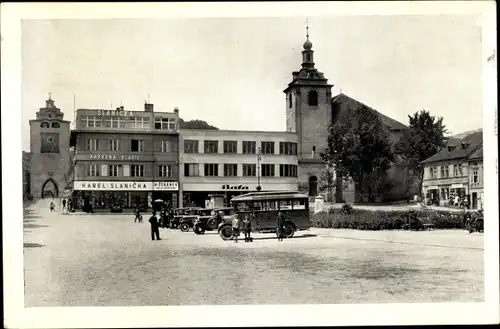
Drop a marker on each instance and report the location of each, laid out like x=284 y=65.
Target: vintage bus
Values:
x=263 y=207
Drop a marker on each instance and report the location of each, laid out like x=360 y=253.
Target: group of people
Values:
x=66 y=206
x=247 y=227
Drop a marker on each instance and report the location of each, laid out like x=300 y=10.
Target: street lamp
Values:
x=258 y=170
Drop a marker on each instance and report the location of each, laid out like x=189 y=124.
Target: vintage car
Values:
x=186 y=221
x=211 y=222
x=475 y=222
x=178 y=214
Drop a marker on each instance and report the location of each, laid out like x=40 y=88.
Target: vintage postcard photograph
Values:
x=249 y=164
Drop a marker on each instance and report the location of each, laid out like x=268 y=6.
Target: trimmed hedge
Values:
x=385 y=220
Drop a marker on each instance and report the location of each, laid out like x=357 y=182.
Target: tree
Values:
x=424 y=138
x=359 y=147
x=195 y=124
x=327 y=182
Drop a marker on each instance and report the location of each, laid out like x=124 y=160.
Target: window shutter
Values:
x=126 y=170
x=104 y=170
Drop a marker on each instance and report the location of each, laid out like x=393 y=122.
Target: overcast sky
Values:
x=231 y=72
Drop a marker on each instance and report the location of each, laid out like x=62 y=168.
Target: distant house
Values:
x=343 y=105
x=446 y=173
x=476 y=179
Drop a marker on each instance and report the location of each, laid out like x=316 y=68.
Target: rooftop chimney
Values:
x=120 y=108
x=148 y=107
x=176 y=110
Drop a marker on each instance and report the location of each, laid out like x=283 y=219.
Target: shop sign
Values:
x=433 y=188
x=457 y=186
x=112 y=186
x=114 y=113
x=166 y=186
x=234 y=187
x=115 y=157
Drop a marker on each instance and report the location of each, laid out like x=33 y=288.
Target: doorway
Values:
x=474 y=200
x=313 y=186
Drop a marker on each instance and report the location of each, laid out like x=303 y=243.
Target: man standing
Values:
x=280 y=223
x=236 y=227
x=153 y=220
x=63 y=208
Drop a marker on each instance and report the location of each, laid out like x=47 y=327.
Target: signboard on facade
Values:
x=114 y=113
x=123 y=157
x=244 y=187
x=166 y=186
x=457 y=186
x=112 y=186
x=234 y=187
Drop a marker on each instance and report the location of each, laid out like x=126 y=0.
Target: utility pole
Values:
x=259 y=188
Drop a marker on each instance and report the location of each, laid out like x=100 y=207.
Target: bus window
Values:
x=242 y=206
x=285 y=204
x=269 y=205
x=299 y=204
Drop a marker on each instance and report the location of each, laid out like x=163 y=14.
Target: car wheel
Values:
x=212 y=224
x=184 y=227
x=288 y=230
x=198 y=229
x=226 y=232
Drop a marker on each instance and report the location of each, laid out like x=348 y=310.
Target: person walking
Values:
x=63 y=208
x=236 y=227
x=137 y=215
x=52 y=205
x=247 y=226
x=155 y=231
x=280 y=223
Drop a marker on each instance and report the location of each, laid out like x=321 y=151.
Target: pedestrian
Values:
x=52 y=205
x=153 y=220
x=137 y=215
x=247 y=224
x=70 y=205
x=236 y=227
x=63 y=209
x=280 y=223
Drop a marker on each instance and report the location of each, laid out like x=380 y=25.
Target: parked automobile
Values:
x=475 y=222
x=210 y=222
x=264 y=207
x=178 y=213
x=186 y=221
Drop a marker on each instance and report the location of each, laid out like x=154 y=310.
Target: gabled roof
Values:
x=462 y=149
x=387 y=121
x=478 y=154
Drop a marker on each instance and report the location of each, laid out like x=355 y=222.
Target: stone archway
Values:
x=50 y=189
x=313 y=186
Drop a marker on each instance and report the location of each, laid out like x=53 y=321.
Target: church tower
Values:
x=308 y=113
x=50 y=156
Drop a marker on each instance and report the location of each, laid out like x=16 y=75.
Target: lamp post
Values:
x=258 y=170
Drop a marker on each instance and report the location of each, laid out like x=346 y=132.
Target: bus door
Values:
x=269 y=214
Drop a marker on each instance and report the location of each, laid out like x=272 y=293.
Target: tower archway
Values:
x=50 y=189
x=313 y=186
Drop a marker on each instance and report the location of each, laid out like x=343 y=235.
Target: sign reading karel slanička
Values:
x=125 y=186
x=122 y=157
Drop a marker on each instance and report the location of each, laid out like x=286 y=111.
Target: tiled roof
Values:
x=474 y=141
x=387 y=121
x=478 y=154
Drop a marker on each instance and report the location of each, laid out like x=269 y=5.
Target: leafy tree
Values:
x=424 y=138
x=359 y=147
x=327 y=182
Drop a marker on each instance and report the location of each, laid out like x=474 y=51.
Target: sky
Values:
x=231 y=72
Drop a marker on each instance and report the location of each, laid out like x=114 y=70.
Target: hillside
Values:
x=195 y=124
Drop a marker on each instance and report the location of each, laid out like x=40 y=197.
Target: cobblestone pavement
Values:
x=108 y=260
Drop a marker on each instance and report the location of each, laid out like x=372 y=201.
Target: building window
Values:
x=288 y=148
x=166 y=146
x=267 y=147
x=230 y=169
x=267 y=170
x=164 y=171
x=113 y=145
x=137 y=170
x=91 y=122
x=288 y=170
x=445 y=171
x=249 y=170
x=112 y=122
x=455 y=170
x=92 y=144
x=44 y=125
x=165 y=123
x=140 y=122
x=190 y=146
x=137 y=145
x=113 y=170
x=211 y=169
x=249 y=147
x=230 y=146
x=289 y=100
x=191 y=169
x=475 y=176
x=312 y=98
x=55 y=125
x=211 y=146
x=93 y=170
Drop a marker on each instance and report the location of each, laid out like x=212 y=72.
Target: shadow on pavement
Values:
x=275 y=238
x=33 y=245
x=34 y=225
